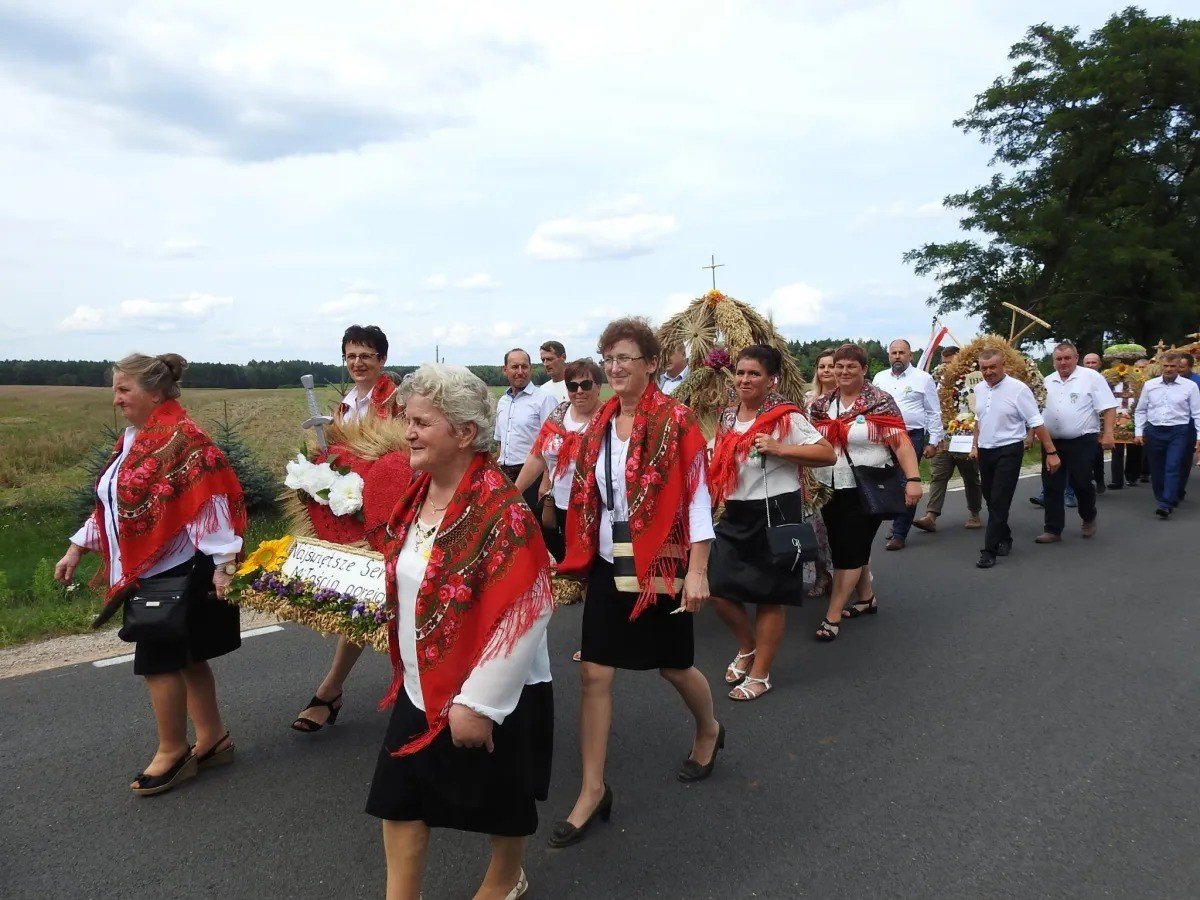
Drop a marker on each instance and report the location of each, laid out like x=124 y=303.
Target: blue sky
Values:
x=242 y=180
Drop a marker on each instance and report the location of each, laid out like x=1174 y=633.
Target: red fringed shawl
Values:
x=885 y=424
x=555 y=426
x=665 y=464
x=172 y=472
x=731 y=449
x=383 y=404
x=487 y=583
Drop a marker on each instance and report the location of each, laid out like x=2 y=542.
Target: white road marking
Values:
x=117 y=660
x=961 y=488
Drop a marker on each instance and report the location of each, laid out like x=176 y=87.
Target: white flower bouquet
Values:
x=340 y=489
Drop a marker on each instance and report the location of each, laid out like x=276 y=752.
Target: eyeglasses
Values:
x=360 y=357
x=573 y=386
x=622 y=360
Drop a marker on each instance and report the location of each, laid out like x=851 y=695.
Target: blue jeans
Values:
x=902 y=524
x=1168 y=448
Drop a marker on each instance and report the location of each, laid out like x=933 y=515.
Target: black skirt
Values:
x=740 y=568
x=851 y=531
x=656 y=640
x=214 y=626
x=468 y=789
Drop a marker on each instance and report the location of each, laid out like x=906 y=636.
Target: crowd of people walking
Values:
x=618 y=494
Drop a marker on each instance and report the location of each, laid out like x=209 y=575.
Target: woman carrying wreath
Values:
x=374 y=395
x=639 y=517
x=762 y=445
x=865 y=427
x=168 y=505
x=469 y=742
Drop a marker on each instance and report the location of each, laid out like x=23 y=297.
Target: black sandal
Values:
x=308 y=726
x=861 y=608
x=214 y=757
x=184 y=768
x=828 y=631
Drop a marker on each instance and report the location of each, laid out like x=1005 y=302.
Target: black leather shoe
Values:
x=1037 y=501
x=1005 y=548
x=565 y=834
x=1113 y=486
x=1100 y=487
x=692 y=771
x=986 y=561
x=1163 y=512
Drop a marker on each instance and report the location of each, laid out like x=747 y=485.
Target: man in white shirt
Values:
x=675 y=372
x=1166 y=422
x=1079 y=403
x=554 y=361
x=915 y=392
x=520 y=413
x=1005 y=410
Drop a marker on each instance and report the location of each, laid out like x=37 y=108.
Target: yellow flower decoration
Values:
x=268 y=556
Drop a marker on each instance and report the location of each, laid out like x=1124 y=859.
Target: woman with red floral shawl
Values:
x=639 y=503
x=374 y=396
x=763 y=444
x=552 y=458
x=469 y=742
x=168 y=505
x=866 y=428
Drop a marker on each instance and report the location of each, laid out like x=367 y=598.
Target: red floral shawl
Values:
x=383 y=401
x=885 y=424
x=169 y=476
x=731 y=449
x=665 y=465
x=555 y=425
x=487 y=582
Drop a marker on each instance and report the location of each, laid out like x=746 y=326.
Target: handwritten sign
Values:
x=358 y=573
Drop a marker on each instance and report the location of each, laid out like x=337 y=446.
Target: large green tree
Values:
x=1092 y=220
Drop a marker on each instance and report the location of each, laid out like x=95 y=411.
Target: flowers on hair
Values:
x=340 y=489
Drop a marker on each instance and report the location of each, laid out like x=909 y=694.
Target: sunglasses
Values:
x=573 y=386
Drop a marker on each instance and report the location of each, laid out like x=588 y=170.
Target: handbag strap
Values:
x=762 y=458
x=608 y=470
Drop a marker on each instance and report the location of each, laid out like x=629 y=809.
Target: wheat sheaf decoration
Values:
x=714 y=329
x=956 y=387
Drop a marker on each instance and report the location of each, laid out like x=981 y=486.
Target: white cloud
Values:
x=437 y=282
x=899 y=209
x=794 y=305
x=599 y=236
x=191 y=306
x=351 y=301
x=480 y=281
x=88 y=320
x=181 y=248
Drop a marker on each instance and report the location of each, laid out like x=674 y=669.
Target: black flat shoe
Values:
x=692 y=771
x=308 y=726
x=184 y=768
x=986 y=561
x=565 y=834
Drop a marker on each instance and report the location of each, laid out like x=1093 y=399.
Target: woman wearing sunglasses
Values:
x=552 y=458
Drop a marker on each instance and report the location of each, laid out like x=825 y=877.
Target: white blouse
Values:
x=494 y=687
x=700 y=526
x=561 y=486
x=780 y=476
x=222 y=544
x=863 y=451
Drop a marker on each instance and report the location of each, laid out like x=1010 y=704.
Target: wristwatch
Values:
x=916 y=480
x=230 y=568
x=1052 y=453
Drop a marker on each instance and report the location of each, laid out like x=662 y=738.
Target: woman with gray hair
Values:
x=470 y=738
x=168 y=521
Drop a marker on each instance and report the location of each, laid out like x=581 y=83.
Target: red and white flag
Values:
x=939 y=335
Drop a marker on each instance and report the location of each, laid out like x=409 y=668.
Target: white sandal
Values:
x=742 y=693
x=520 y=889
x=738 y=673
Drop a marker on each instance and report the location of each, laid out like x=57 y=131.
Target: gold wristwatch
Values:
x=230 y=568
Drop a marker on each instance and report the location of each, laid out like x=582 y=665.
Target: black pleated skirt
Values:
x=214 y=626
x=657 y=640
x=468 y=789
x=740 y=568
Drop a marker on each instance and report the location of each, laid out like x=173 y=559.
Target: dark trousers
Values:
x=902 y=524
x=1126 y=464
x=530 y=494
x=1077 y=457
x=1168 y=450
x=999 y=469
x=1097 y=473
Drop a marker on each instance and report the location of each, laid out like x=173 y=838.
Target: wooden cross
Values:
x=714 y=266
x=1159 y=347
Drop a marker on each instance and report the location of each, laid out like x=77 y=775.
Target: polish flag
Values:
x=935 y=341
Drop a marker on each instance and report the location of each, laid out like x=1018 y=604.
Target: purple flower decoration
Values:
x=718 y=359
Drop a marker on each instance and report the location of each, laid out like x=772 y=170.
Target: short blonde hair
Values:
x=154 y=374
x=460 y=395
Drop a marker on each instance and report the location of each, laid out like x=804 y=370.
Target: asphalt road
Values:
x=1029 y=731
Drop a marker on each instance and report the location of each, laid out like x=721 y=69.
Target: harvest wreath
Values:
x=956 y=392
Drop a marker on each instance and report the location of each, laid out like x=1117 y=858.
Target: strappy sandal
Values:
x=308 y=726
x=861 y=608
x=743 y=692
x=184 y=768
x=828 y=631
x=214 y=756
x=739 y=673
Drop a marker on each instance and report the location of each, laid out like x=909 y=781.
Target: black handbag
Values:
x=158 y=610
x=792 y=544
x=880 y=489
